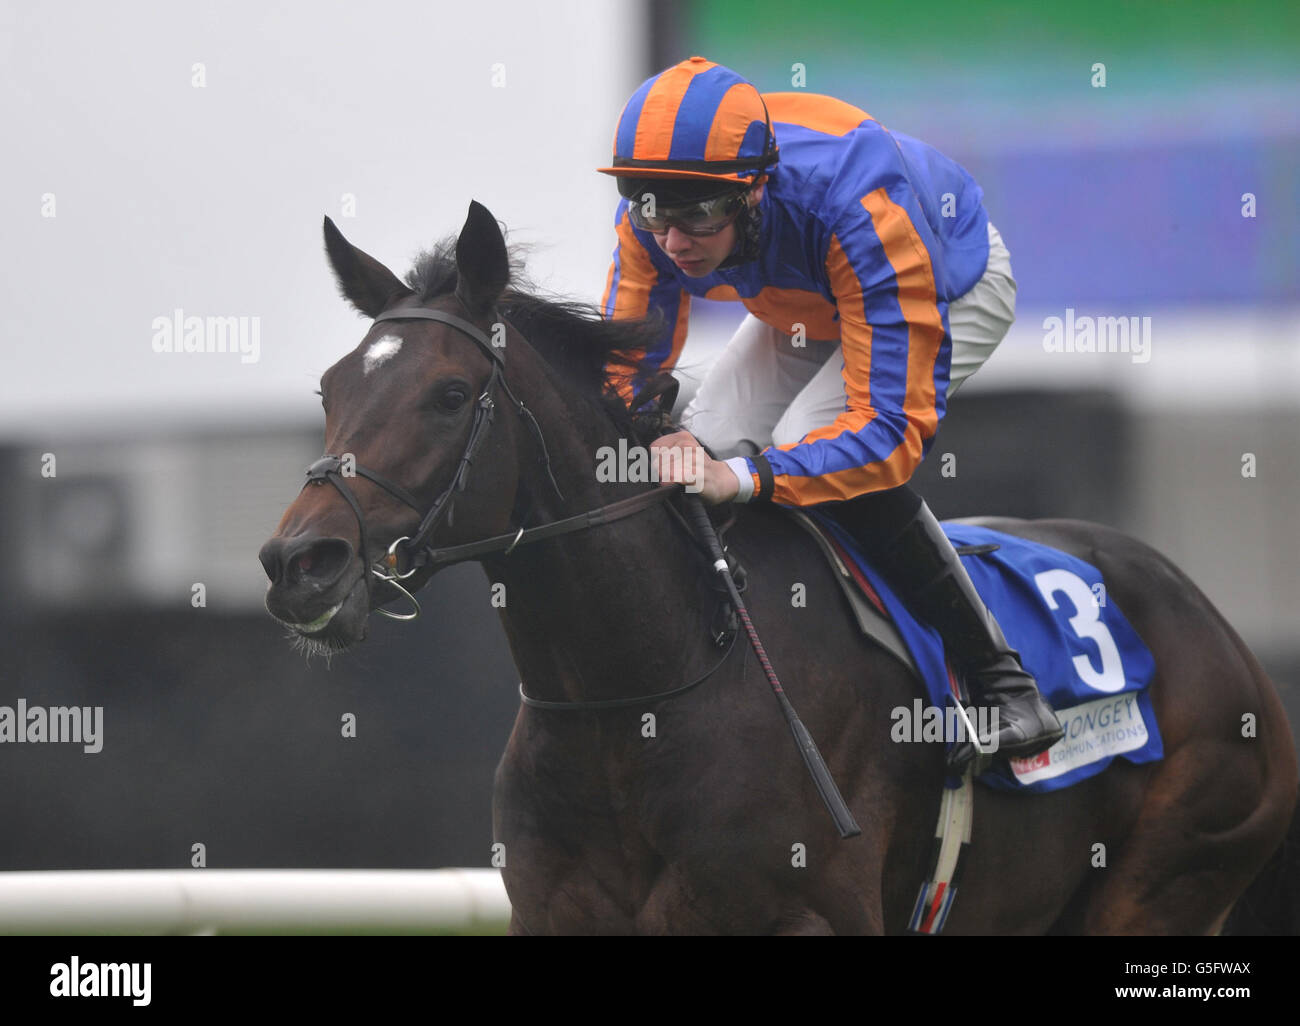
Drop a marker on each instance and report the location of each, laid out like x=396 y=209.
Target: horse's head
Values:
x=402 y=412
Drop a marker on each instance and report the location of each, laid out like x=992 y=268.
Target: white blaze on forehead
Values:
x=380 y=352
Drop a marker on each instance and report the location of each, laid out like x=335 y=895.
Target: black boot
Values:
x=922 y=566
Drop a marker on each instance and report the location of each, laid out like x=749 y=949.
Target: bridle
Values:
x=415 y=549
x=330 y=468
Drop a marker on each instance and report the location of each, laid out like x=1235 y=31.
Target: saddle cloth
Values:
x=1089 y=662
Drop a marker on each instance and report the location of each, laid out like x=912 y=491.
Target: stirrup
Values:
x=964 y=754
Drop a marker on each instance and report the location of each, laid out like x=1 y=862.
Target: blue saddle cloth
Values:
x=1089 y=662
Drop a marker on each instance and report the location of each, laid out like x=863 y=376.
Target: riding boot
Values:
x=922 y=566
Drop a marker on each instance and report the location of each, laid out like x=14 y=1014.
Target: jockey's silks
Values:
x=867 y=235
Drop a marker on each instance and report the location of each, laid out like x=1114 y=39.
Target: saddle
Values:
x=865 y=602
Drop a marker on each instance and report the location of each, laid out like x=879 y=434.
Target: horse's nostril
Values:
x=320 y=561
x=270 y=559
x=310 y=560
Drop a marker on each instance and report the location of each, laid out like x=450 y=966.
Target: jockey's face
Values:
x=698 y=256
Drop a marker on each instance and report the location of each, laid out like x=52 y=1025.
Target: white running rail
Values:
x=207 y=901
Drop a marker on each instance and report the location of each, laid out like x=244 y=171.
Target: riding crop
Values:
x=812 y=758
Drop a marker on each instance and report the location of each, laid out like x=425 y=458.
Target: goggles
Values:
x=704 y=217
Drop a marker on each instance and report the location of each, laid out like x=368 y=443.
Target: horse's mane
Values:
x=571 y=336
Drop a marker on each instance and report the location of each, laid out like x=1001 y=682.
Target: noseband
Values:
x=415 y=548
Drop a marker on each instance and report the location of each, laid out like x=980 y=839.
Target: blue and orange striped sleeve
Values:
x=896 y=346
x=635 y=287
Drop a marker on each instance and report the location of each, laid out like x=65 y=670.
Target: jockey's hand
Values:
x=680 y=459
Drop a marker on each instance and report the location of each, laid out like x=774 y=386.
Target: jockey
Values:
x=875 y=286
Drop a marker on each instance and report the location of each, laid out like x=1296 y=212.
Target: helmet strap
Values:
x=749 y=230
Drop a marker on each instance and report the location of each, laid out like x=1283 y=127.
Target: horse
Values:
x=649 y=785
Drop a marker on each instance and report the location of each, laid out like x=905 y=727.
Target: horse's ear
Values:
x=482 y=264
x=364 y=281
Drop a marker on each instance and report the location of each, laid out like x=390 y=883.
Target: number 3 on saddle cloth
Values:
x=1089 y=662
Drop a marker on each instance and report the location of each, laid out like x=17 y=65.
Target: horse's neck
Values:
x=606 y=612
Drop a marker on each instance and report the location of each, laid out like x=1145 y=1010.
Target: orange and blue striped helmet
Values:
x=696 y=121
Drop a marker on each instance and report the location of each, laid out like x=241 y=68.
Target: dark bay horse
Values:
x=693 y=814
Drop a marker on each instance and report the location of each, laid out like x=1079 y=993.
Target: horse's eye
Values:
x=452 y=399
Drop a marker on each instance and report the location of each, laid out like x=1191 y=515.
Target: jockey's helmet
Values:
x=694 y=135
x=697 y=123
